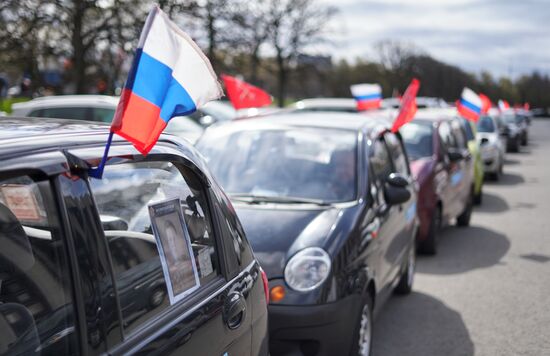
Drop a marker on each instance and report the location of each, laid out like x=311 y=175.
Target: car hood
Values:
x=277 y=232
x=489 y=136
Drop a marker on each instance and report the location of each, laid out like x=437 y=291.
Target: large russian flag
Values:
x=170 y=76
x=367 y=96
x=470 y=105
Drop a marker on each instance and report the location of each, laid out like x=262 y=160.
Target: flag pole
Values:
x=98 y=172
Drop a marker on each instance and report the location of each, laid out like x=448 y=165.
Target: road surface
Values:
x=487 y=291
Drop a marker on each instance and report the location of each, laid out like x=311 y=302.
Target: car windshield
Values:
x=486 y=124
x=292 y=165
x=468 y=129
x=418 y=139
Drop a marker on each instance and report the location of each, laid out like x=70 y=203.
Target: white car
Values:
x=326 y=104
x=492 y=146
x=98 y=108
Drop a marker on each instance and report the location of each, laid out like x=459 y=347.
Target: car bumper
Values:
x=326 y=329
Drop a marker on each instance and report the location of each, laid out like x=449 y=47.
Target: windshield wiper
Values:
x=256 y=199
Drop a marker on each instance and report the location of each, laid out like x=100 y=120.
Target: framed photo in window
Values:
x=175 y=250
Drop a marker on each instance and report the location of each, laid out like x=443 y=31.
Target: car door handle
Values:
x=234 y=310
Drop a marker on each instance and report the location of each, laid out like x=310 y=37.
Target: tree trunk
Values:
x=254 y=64
x=211 y=36
x=79 y=64
x=281 y=79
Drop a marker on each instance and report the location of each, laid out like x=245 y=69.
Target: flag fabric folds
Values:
x=470 y=105
x=170 y=76
x=486 y=103
x=367 y=96
x=503 y=105
x=408 y=106
x=243 y=95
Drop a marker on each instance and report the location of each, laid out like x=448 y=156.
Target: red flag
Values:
x=408 y=105
x=485 y=103
x=243 y=95
x=526 y=106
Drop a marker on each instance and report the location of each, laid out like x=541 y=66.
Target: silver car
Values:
x=492 y=146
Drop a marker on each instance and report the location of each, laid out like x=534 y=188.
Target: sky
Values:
x=504 y=37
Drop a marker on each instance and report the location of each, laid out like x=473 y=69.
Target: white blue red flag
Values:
x=170 y=76
x=367 y=96
x=503 y=105
x=470 y=105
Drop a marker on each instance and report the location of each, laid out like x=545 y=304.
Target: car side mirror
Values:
x=455 y=156
x=395 y=191
x=397 y=180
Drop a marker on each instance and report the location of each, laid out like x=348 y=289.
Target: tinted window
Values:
x=397 y=154
x=447 y=139
x=305 y=163
x=123 y=197
x=380 y=161
x=76 y=113
x=36 y=308
x=459 y=136
x=486 y=124
x=418 y=139
x=468 y=130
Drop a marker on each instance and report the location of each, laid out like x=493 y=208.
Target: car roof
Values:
x=68 y=100
x=436 y=114
x=25 y=135
x=344 y=103
x=371 y=124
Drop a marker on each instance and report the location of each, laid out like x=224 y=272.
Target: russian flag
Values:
x=503 y=105
x=367 y=96
x=470 y=105
x=170 y=76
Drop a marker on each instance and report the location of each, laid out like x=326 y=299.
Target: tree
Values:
x=293 y=26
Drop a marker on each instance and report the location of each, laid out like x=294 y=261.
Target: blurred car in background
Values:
x=422 y=102
x=79 y=277
x=443 y=168
x=101 y=108
x=523 y=119
x=328 y=204
x=214 y=112
x=513 y=130
x=492 y=146
x=470 y=129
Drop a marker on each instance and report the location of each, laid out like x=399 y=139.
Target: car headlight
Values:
x=307 y=269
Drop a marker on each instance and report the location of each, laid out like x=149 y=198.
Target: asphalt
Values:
x=487 y=291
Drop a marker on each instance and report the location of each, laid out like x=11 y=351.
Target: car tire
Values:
x=515 y=146
x=524 y=140
x=362 y=337
x=429 y=245
x=407 y=276
x=463 y=219
x=495 y=176
x=478 y=197
x=157 y=297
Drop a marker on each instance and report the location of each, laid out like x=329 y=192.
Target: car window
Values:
x=486 y=124
x=306 y=163
x=102 y=114
x=124 y=198
x=36 y=307
x=459 y=135
x=74 y=113
x=397 y=154
x=380 y=160
x=468 y=130
x=446 y=138
x=418 y=139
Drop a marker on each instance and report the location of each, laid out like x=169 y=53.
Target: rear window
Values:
x=418 y=139
x=76 y=113
x=486 y=124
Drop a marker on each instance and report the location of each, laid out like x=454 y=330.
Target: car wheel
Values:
x=524 y=140
x=515 y=147
x=429 y=245
x=495 y=176
x=362 y=340
x=407 y=276
x=464 y=218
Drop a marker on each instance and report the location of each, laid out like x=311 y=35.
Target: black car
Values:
x=515 y=129
x=151 y=259
x=327 y=203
